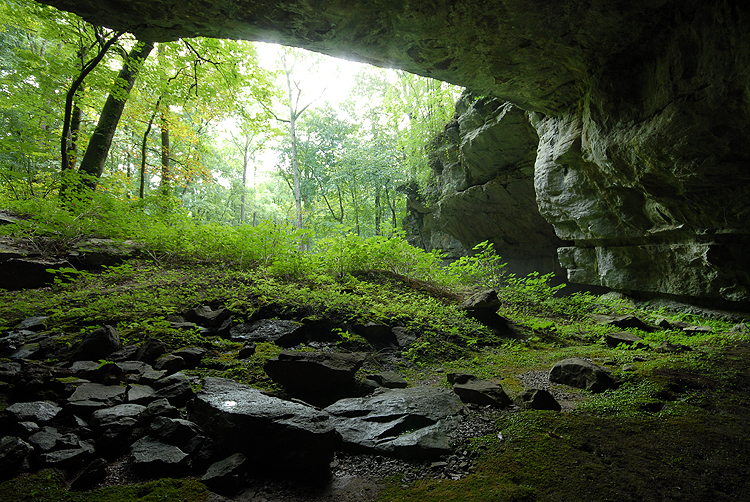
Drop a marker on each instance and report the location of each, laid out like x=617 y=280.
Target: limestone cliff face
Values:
x=641 y=109
x=483 y=173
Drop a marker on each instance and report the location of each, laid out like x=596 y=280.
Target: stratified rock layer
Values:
x=640 y=108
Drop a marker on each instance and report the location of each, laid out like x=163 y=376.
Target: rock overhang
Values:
x=643 y=107
x=537 y=54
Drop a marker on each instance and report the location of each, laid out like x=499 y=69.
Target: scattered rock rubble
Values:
x=107 y=401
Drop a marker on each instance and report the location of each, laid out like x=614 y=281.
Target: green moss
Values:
x=247 y=371
x=49 y=486
x=676 y=426
x=569 y=457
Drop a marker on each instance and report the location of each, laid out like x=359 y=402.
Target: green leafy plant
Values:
x=484 y=268
x=65 y=275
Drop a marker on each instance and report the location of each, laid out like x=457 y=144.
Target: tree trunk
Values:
x=392 y=207
x=244 y=180
x=377 y=210
x=356 y=208
x=69 y=98
x=75 y=129
x=295 y=170
x=293 y=133
x=144 y=144
x=166 y=175
x=98 y=149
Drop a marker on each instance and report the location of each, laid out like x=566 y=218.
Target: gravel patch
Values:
x=540 y=380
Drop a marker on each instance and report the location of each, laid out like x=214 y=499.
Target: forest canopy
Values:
x=223 y=131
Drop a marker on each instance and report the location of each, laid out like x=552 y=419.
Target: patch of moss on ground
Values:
x=49 y=485
x=569 y=457
x=677 y=430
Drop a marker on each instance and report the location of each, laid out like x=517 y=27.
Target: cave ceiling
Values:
x=537 y=54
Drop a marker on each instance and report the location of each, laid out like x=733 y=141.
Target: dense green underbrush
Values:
x=167 y=234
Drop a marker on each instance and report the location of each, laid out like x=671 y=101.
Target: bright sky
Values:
x=330 y=82
x=332 y=79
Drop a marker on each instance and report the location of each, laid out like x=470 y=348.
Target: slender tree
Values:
x=103 y=45
x=296 y=110
x=100 y=142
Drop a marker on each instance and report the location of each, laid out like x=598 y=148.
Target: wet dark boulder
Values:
x=158 y=458
x=14 y=456
x=270 y=432
x=225 y=475
x=625 y=339
x=477 y=391
x=281 y=332
x=537 y=399
x=150 y=350
x=97 y=345
x=582 y=374
x=175 y=388
x=316 y=376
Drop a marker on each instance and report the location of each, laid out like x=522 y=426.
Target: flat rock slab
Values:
x=282 y=333
x=28 y=351
x=223 y=476
x=89 y=397
x=34 y=323
x=269 y=431
x=405 y=423
x=140 y=394
x=388 y=379
x=156 y=457
x=116 y=415
x=49 y=439
x=70 y=458
x=696 y=330
x=582 y=374
x=34 y=411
